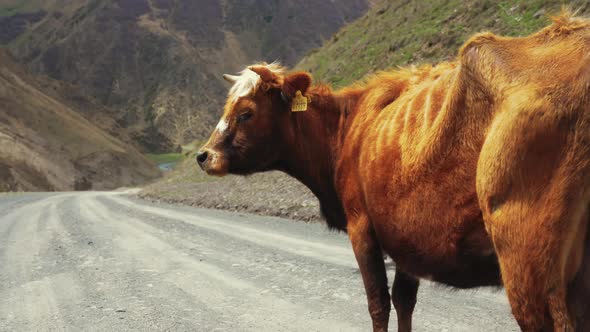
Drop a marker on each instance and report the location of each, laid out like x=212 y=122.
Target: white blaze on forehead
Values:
x=221 y=126
x=248 y=81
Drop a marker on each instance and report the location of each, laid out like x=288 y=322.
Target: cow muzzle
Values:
x=212 y=162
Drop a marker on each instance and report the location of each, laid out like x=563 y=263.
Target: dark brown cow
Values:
x=457 y=171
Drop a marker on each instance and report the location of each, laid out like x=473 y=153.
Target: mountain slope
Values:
x=400 y=32
x=159 y=62
x=45 y=145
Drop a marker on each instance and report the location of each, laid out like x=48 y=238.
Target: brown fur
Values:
x=457 y=171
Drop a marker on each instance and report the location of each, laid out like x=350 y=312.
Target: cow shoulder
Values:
x=556 y=55
x=483 y=62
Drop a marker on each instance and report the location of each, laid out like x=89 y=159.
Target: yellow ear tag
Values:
x=299 y=103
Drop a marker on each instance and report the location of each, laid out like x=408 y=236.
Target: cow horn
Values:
x=230 y=78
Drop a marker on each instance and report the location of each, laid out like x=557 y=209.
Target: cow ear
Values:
x=298 y=81
x=267 y=76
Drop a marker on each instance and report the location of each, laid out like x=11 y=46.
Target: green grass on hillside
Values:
x=187 y=171
x=8 y=11
x=164 y=158
x=11 y=7
x=397 y=33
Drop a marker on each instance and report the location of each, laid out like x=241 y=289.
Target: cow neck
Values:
x=311 y=152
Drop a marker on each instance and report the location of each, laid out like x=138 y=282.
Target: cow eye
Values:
x=244 y=116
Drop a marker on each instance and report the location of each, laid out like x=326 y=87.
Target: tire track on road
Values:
x=318 y=251
x=221 y=289
x=28 y=298
x=106 y=261
x=278 y=273
x=120 y=292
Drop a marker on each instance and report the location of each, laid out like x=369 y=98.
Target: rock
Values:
x=539 y=13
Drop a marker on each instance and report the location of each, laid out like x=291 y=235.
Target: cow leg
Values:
x=578 y=296
x=370 y=260
x=533 y=181
x=403 y=295
x=540 y=248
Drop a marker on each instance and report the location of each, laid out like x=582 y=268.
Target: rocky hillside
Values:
x=45 y=145
x=400 y=32
x=158 y=63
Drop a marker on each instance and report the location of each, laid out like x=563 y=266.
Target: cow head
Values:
x=256 y=122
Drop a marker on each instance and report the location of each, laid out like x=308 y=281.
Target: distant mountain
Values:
x=158 y=63
x=46 y=146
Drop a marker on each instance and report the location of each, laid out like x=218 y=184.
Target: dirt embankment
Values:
x=271 y=193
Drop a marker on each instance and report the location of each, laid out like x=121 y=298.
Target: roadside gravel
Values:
x=270 y=194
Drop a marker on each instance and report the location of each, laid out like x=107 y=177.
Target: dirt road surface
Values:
x=105 y=261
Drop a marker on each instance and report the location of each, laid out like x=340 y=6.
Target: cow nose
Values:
x=202 y=156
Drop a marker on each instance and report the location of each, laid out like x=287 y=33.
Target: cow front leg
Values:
x=403 y=296
x=370 y=260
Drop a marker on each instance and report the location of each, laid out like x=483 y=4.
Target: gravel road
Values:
x=104 y=261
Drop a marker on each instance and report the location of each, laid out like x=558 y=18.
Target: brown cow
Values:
x=457 y=171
